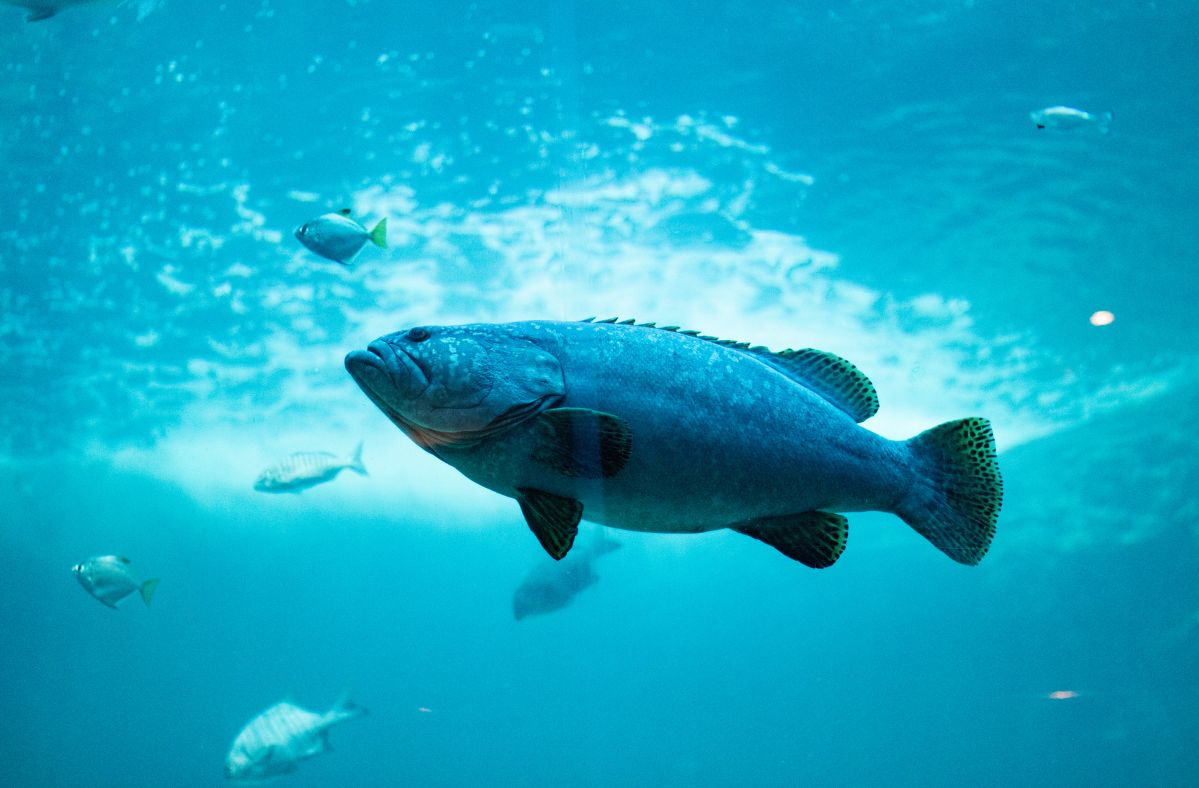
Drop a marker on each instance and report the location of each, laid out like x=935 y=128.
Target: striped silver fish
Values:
x=274 y=742
x=1066 y=118
x=306 y=469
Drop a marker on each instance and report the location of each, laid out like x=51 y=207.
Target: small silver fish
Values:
x=306 y=469
x=44 y=9
x=1065 y=118
x=274 y=742
x=109 y=579
x=337 y=237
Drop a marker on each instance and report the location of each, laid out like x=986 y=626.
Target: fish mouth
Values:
x=385 y=374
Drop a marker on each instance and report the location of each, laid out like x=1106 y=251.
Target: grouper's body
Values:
x=718 y=437
x=653 y=429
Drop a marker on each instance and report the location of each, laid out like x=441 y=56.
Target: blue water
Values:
x=861 y=178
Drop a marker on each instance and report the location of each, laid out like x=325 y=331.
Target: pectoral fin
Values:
x=553 y=519
x=815 y=539
x=583 y=443
x=38 y=14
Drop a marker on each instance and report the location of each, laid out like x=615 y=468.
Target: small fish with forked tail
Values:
x=109 y=579
x=274 y=742
x=1066 y=118
x=306 y=469
x=337 y=237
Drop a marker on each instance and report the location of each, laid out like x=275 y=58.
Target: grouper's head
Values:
x=454 y=385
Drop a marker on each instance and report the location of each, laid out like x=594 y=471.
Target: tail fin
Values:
x=147 y=590
x=356 y=461
x=344 y=709
x=379 y=234
x=1105 y=121
x=957 y=509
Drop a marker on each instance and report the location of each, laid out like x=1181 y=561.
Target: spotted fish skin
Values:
x=685 y=434
x=302 y=470
x=277 y=740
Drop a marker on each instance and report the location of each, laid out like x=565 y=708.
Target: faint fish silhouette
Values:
x=552 y=586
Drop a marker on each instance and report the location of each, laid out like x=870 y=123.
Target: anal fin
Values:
x=815 y=539
x=553 y=519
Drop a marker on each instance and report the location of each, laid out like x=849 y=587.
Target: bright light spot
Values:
x=1063 y=695
x=424 y=710
x=1102 y=318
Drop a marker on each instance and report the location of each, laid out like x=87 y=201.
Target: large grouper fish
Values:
x=652 y=428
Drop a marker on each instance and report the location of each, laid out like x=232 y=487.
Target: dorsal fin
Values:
x=830 y=376
x=836 y=380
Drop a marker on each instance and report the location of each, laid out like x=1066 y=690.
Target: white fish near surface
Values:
x=44 y=9
x=1066 y=118
x=274 y=742
x=109 y=579
x=337 y=237
x=306 y=469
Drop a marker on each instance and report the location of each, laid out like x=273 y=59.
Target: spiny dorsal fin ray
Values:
x=836 y=380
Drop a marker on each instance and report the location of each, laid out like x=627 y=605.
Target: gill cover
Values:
x=457 y=385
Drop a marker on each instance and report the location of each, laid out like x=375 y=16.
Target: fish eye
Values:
x=417 y=334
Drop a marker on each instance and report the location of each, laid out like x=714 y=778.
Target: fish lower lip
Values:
x=381 y=367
